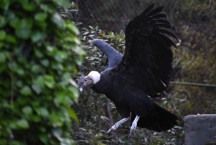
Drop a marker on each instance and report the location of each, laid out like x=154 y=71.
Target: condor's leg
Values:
x=134 y=124
x=118 y=124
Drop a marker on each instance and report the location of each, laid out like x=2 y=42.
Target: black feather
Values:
x=159 y=119
x=147 y=10
x=163 y=26
x=163 y=39
x=155 y=11
x=167 y=32
x=162 y=21
x=158 y=16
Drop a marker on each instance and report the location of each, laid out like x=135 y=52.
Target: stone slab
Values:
x=200 y=129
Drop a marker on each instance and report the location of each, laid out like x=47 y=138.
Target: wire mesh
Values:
x=111 y=15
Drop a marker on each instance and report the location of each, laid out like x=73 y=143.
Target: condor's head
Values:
x=87 y=81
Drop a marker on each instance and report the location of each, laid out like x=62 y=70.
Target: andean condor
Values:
x=142 y=73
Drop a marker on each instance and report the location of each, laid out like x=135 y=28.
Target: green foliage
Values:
x=196 y=63
x=39 y=53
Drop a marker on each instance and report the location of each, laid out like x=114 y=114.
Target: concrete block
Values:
x=200 y=129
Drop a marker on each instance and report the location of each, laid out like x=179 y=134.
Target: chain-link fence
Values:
x=113 y=15
x=110 y=15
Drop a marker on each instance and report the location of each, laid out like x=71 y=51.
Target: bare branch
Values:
x=193 y=84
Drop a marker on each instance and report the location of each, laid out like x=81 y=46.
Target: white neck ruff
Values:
x=95 y=76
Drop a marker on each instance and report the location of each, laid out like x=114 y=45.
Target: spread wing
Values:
x=147 y=61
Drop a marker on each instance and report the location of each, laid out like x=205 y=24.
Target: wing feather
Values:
x=147 y=61
x=147 y=10
x=155 y=11
x=167 y=32
x=162 y=21
x=163 y=26
x=164 y=40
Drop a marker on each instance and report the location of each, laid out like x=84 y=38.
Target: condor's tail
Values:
x=158 y=120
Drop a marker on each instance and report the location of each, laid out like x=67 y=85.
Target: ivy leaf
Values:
x=72 y=28
x=2 y=35
x=26 y=91
x=2 y=21
x=49 y=81
x=74 y=93
x=23 y=33
x=37 y=36
x=23 y=28
x=27 y=110
x=2 y=57
x=38 y=84
x=10 y=39
x=40 y=17
x=36 y=68
x=13 y=21
x=45 y=62
x=29 y=6
x=42 y=111
x=5 y=4
x=22 y=124
x=25 y=23
x=58 y=20
x=72 y=114
x=63 y=3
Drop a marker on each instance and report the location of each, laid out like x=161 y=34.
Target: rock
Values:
x=200 y=129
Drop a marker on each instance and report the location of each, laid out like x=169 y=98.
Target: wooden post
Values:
x=200 y=129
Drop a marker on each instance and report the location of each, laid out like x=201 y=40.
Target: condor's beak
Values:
x=84 y=82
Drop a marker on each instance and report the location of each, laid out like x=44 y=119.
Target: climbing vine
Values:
x=39 y=52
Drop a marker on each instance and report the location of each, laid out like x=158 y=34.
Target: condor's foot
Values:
x=118 y=124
